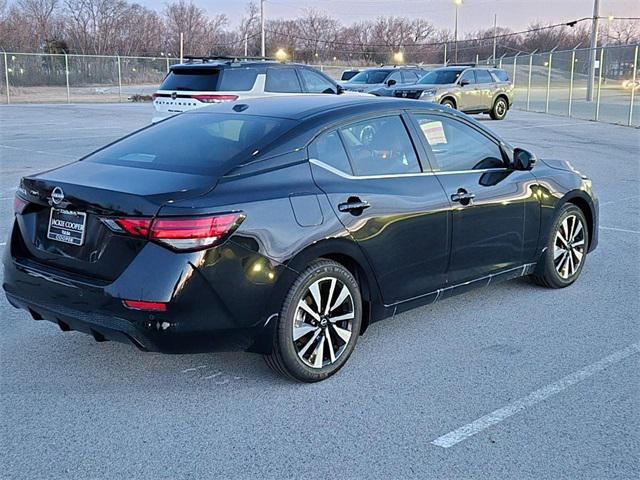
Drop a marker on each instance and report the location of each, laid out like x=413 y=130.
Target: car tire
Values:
x=447 y=102
x=313 y=341
x=499 y=109
x=560 y=266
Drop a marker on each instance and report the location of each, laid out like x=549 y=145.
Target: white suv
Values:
x=201 y=81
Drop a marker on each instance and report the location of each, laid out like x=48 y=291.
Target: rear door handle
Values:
x=353 y=205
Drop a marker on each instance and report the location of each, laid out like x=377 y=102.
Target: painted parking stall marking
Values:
x=462 y=433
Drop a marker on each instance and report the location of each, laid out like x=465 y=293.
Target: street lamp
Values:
x=398 y=58
x=281 y=55
x=457 y=3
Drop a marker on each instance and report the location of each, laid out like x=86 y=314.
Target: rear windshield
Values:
x=210 y=79
x=199 y=143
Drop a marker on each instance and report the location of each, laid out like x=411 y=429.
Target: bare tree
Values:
x=200 y=32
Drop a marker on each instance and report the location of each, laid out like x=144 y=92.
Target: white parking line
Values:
x=37 y=151
x=462 y=433
x=619 y=230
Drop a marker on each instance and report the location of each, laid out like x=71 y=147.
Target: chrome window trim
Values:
x=342 y=174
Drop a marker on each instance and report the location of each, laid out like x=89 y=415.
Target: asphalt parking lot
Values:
x=509 y=381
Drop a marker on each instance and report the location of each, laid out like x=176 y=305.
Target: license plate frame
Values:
x=68 y=233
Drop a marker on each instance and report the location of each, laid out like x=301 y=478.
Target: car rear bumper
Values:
x=198 y=317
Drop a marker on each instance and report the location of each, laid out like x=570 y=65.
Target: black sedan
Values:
x=285 y=226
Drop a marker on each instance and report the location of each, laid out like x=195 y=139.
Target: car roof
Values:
x=301 y=107
x=260 y=65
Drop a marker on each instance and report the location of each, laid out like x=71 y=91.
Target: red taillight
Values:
x=215 y=98
x=19 y=204
x=147 y=306
x=181 y=233
x=138 y=227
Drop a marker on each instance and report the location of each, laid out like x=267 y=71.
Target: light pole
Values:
x=262 y=48
x=592 y=49
x=457 y=3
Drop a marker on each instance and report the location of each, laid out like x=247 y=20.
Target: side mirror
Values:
x=391 y=82
x=464 y=82
x=340 y=89
x=523 y=159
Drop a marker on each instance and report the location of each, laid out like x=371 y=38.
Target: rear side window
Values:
x=200 y=143
x=192 y=79
x=238 y=79
x=316 y=83
x=501 y=75
x=484 y=76
x=282 y=80
x=380 y=146
x=328 y=148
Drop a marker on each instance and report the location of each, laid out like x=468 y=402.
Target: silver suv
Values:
x=466 y=88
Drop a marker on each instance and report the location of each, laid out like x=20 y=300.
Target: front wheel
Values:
x=499 y=110
x=319 y=323
x=566 y=250
x=447 y=102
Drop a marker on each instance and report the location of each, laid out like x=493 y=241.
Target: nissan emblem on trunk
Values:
x=57 y=195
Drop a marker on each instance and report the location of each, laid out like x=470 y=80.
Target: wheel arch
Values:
x=584 y=203
x=348 y=254
x=450 y=97
x=501 y=95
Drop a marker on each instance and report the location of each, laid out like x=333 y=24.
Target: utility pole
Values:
x=592 y=52
x=246 y=43
x=262 y=48
x=455 y=32
x=495 y=33
x=181 y=46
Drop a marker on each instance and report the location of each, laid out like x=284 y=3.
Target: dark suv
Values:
x=376 y=81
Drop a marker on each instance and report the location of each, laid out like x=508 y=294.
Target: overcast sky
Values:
x=474 y=14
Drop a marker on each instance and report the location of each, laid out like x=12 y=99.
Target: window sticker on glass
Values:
x=434 y=131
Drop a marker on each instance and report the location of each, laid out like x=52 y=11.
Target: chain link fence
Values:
x=557 y=83
x=551 y=82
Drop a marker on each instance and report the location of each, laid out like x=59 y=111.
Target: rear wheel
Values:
x=447 y=102
x=499 y=110
x=566 y=251
x=319 y=323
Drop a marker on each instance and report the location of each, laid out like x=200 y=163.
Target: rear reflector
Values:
x=215 y=98
x=147 y=306
x=19 y=204
x=181 y=233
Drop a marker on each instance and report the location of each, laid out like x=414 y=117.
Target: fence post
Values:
x=66 y=74
x=515 y=62
x=573 y=67
x=444 y=60
x=600 y=68
x=477 y=59
x=119 y=80
x=633 y=84
x=546 y=106
x=6 y=75
x=500 y=65
x=529 y=82
x=167 y=63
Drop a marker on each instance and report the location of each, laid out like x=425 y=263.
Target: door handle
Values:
x=353 y=205
x=463 y=197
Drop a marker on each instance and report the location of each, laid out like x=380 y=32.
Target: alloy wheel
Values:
x=323 y=322
x=501 y=108
x=569 y=247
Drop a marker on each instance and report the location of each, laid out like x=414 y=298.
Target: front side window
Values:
x=395 y=76
x=457 y=146
x=380 y=146
x=409 y=76
x=282 y=80
x=440 y=77
x=468 y=76
x=316 y=83
x=484 y=76
x=328 y=148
